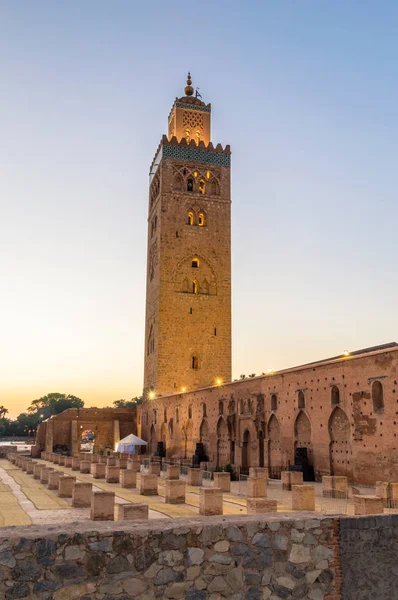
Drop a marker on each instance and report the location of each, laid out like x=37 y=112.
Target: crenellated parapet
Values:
x=183 y=150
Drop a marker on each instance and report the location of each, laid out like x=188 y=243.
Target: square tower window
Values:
x=195 y=263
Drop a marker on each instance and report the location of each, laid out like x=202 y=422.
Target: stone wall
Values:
x=240 y=558
x=368 y=547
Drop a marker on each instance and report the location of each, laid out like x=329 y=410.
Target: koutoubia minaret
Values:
x=188 y=296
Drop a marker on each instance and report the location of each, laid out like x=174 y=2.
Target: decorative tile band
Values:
x=194 y=154
x=193 y=107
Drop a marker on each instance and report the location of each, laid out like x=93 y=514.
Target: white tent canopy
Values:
x=130 y=443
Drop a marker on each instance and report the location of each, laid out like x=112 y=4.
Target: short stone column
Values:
x=258 y=472
x=172 y=472
x=98 y=470
x=102 y=460
x=122 y=463
x=368 y=505
x=62 y=460
x=102 y=506
x=111 y=461
x=175 y=491
x=210 y=501
x=57 y=458
x=383 y=491
x=44 y=473
x=75 y=464
x=26 y=465
x=154 y=468
x=128 y=478
x=334 y=486
x=257 y=506
x=30 y=466
x=222 y=481
x=53 y=480
x=65 y=486
x=85 y=466
x=36 y=471
x=23 y=465
x=132 y=512
x=94 y=458
x=303 y=497
x=68 y=462
x=84 y=456
x=112 y=474
x=148 y=484
x=81 y=494
x=194 y=476
x=256 y=487
x=290 y=478
x=133 y=465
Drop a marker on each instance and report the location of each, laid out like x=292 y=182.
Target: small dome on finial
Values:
x=189 y=89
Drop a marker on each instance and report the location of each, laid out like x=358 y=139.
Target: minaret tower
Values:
x=188 y=296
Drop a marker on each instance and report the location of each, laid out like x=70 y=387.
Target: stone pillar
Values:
x=111 y=461
x=194 y=477
x=44 y=473
x=56 y=458
x=102 y=506
x=296 y=478
x=75 y=464
x=303 y=497
x=256 y=506
x=81 y=494
x=122 y=463
x=222 y=481
x=172 y=472
x=368 y=505
x=62 y=460
x=36 y=471
x=65 y=486
x=285 y=478
x=175 y=491
x=256 y=487
x=128 y=478
x=103 y=459
x=383 y=491
x=154 y=468
x=148 y=484
x=85 y=466
x=210 y=501
x=116 y=434
x=112 y=474
x=68 y=462
x=134 y=465
x=334 y=486
x=74 y=437
x=132 y=512
x=84 y=456
x=53 y=480
x=94 y=458
x=98 y=470
x=258 y=472
x=23 y=465
x=30 y=466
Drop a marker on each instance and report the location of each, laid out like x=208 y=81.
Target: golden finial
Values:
x=189 y=89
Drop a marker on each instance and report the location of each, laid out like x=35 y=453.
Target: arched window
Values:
x=154 y=225
x=165 y=416
x=151 y=341
x=335 y=395
x=202 y=186
x=205 y=287
x=220 y=407
x=377 y=397
x=194 y=362
x=195 y=287
x=241 y=406
x=274 y=402
x=214 y=189
x=201 y=219
x=197 y=136
x=177 y=415
x=189 y=412
x=178 y=183
x=188 y=135
x=195 y=263
x=301 y=399
x=204 y=409
x=190 y=218
x=190 y=185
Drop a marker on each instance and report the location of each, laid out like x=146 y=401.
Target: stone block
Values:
x=75 y=464
x=112 y=474
x=334 y=486
x=102 y=460
x=62 y=460
x=24 y=462
x=111 y=461
x=98 y=470
x=290 y=478
x=285 y=478
x=222 y=481
x=175 y=491
x=57 y=458
x=81 y=494
x=134 y=465
x=172 y=472
x=259 y=472
x=368 y=505
x=68 y=462
x=394 y=493
x=148 y=484
x=102 y=506
x=194 y=476
x=44 y=473
x=154 y=468
x=85 y=466
x=36 y=471
x=256 y=487
x=383 y=491
x=94 y=458
x=25 y=465
x=210 y=501
x=84 y=456
x=128 y=478
x=132 y=512
x=122 y=463
x=65 y=486
x=303 y=497
x=53 y=480
x=30 y=466
x=256 y=506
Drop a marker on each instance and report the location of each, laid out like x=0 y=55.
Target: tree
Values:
x=128 y=403
x=53 y=404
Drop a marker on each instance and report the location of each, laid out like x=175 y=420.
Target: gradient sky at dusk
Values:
x=306 y=93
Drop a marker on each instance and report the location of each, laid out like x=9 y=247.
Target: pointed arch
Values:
x=204 y=435
x=274 y=447
x=303 y=434
x=153 y=439
x=246 y=451
x=340 y=443
x=178 y=182
x=205 y=287
x=377 y=397
x=222 y=443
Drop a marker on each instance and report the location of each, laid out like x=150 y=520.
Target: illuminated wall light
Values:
x=218 y=381
x=151 y=395
x=346 y=353
x=183 y=389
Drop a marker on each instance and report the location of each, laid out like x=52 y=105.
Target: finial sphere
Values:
x=189 y=89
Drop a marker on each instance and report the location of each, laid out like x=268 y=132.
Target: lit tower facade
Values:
x=188 y=296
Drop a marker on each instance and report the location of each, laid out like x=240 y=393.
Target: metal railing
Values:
x=207 y=477
x=242 y=485
x=334 y=502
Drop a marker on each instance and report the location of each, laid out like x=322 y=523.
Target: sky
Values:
x=305 y=92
